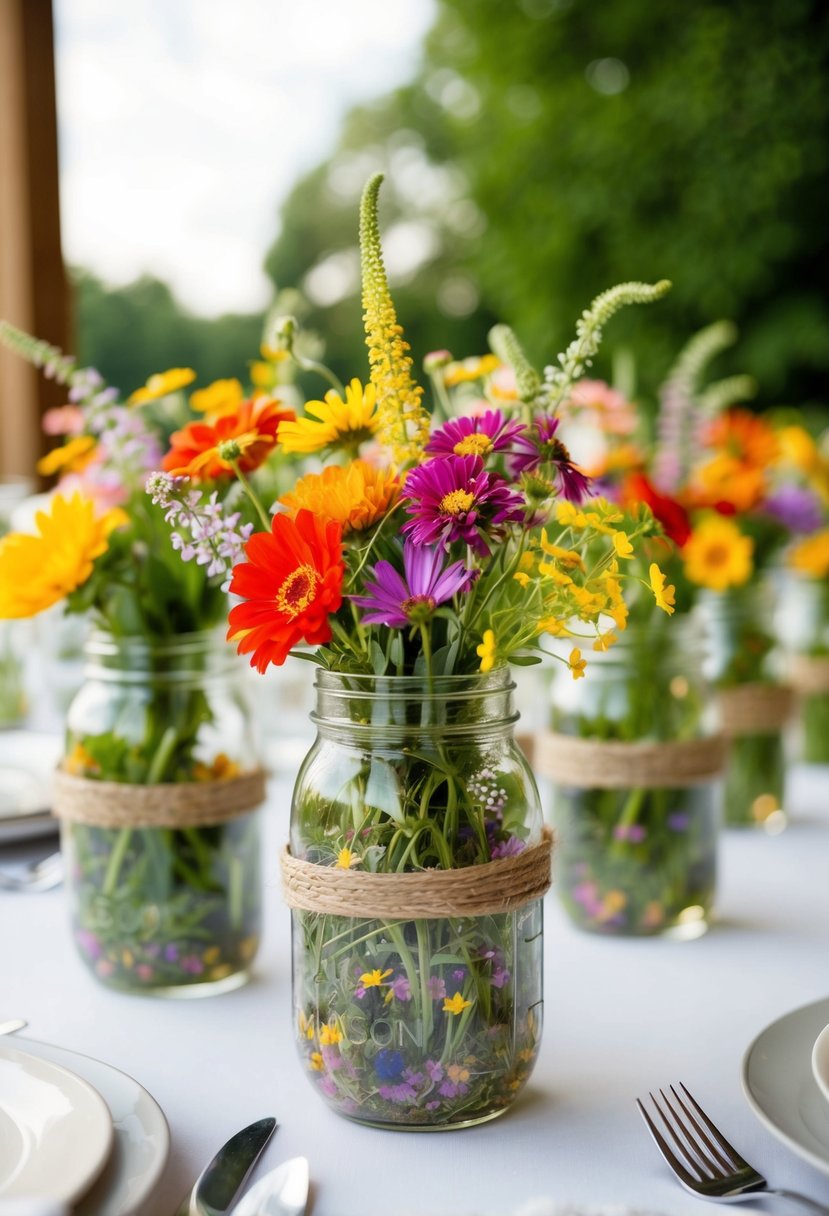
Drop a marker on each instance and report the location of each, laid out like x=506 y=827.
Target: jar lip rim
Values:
x=499 y=679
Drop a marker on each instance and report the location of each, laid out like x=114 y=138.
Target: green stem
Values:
x=116 y=860
x=252 y=495
x=311 y=365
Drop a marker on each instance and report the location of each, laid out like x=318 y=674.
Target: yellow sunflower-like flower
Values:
x=467 y=370
x=162 y=384
x=718 y=555
x=219 y=397
x=487 y=650
x=71 y=457
x=373 y=979
x=356 y=496
x=811 y=556
x=346 y=859
x=38 y=570
x=334 y=423
x=665 y=596
x=455 y=1004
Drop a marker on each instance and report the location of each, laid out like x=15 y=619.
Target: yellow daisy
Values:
x=38 y=570
x=162 y=384
x=355 y=496
x=71 y=457
x=665 y=596
x=717 y=555
x=334 y=423
x=467 y=370
x=487 y=650
x=455 y=1004
x=217 y=398
x=346 y=859
x=811 y=556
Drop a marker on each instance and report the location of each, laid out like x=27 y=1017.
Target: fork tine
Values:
x=738 y=1161
x=720 y=1159
x=685 y=1140
x=671 y=1158
x=711 y=1164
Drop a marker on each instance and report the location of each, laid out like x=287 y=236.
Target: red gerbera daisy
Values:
x=670 y=513
x=292 y=581
x=246 y=436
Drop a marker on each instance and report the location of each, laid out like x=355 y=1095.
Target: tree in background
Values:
x=549 y=148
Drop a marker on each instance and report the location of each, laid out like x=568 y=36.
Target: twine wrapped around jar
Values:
x=183 y=804
x=578 y=763
x=809 y=674
x=755 y=709
x=496 y=886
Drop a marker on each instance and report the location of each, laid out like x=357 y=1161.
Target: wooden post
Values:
x=33 y=287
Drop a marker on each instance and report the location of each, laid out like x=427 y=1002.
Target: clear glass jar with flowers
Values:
x=422 y=560
x=803 y=621
x=159 y=788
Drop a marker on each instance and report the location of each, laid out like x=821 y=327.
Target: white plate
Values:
x=27 y=761
x=820 y=1061
x=55 y=1129
x=780 y=1086
x=142 y=1138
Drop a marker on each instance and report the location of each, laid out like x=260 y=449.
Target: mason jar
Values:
x=803 y=627
x=415 y=798
x=744 y=665
x=158 y=795
x=634 y=756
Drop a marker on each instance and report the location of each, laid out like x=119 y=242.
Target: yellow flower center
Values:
x=473 y=445
x=297 y=591
x=456 y=502
x=718 y=555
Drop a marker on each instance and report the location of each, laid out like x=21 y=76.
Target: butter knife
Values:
x=282 y=1192
x=220 y=1182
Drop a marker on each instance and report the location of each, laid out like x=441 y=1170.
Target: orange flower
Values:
x=744 y=436
x=355 y=496
x=743 y=448
x=292 y=581
x=245 y=436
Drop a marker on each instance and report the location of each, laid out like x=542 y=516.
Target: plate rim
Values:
x=154 y=1176
x=807 y=1154
x=10 y=1049
x=822 y=1081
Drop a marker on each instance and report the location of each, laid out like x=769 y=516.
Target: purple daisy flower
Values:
x=411 y=598
x=455 y=498
x=538 y=446
x=474 y=435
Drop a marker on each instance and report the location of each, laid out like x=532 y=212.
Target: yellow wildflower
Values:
x=333 y=423
x=455 y=1004
x=330 y=1035
x=373 y=979
x=568 y=557
x=346 y=859
x=521 y=578
x=576 y=664
x=526 y=562
x=457 y=1072
x=71 y=457
x=552 y=572
x=798 y=448
x=162 y=384
x=717 y=555
x=221 y=768
x=80 y=762
x=38 y=570
x=306 y=1026
x=622 y=544
x=665 y=596
x=404 y=423
x=568 y=516
x=811 y=556
x=554 y=626
x=487 y=650
x=217 y=398
x=473 y=368
x=356 y=496
x=605 y=640
x=316 y=1061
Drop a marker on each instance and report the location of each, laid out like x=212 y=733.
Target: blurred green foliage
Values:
x=545 y=150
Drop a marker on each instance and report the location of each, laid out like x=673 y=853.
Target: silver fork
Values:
x=39 y=876
x=705 y=1163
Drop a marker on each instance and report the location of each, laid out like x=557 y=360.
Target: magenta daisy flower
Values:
x=474 y=436
x=537 y=447
x=455 y=498
x=411 y=598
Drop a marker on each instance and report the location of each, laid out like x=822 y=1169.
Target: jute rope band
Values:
x=113 y=804
x=809 y=674
x=755 y=709
x=613 y=765
x=495 y=886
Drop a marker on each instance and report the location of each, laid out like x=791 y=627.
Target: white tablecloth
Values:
x=621 y=1017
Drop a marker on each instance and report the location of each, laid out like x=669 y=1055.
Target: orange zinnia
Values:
x=355 y=496
x=245 y=437
x=745 y=437
x=292 y=581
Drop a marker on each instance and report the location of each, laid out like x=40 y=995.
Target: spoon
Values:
x=12 y=1025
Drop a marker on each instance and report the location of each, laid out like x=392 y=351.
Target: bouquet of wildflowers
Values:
x=154 y=908
x=422 y=549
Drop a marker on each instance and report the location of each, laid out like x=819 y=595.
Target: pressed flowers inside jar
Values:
x=417 y=860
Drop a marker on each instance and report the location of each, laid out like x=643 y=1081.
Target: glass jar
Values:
x=803 y=626
x=743 y=663
x=171 y=910
x=427 y=1023
x=636 y=842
